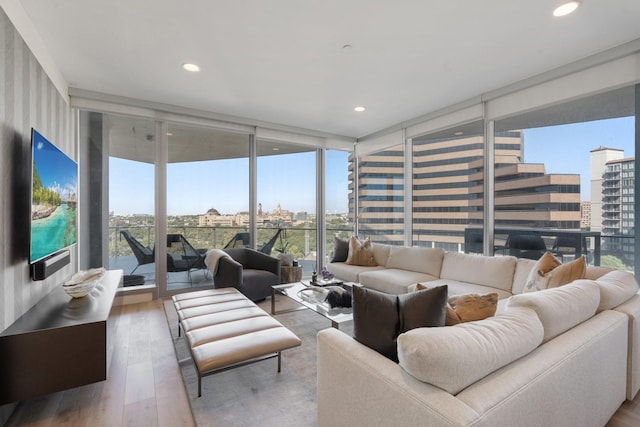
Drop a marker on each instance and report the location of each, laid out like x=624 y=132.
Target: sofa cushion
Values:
x=340 y=250
x=455 y=357
x=562 y=308
x=616 y=287
x=392 y=280
x=595 y=271
x=461 y=288
x=422 y=260
x=378 y=318
x=381 y=253
x=349 y=273
x=496 y=272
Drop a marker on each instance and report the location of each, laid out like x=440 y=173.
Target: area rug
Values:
x=257 y=395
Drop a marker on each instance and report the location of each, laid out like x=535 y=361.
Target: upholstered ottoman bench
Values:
x=225 y=330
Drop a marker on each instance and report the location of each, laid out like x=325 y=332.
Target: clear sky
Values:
x=566 y=148
x=195 y=187
x=56 y=170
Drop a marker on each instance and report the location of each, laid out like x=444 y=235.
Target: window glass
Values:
x=381 y=196
x=338 y=185
x=572 y=191
x=448 y=187
x=132 y=148
x=286 y=197
x=207 y=199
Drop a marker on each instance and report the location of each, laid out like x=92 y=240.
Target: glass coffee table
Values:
x=312 y=297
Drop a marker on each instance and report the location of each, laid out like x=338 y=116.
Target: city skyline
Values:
x=194 y=188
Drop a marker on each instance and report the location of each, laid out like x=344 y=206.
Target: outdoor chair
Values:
x=243 y=240
x=144 y=255
x=530 y=246
x=182 y=256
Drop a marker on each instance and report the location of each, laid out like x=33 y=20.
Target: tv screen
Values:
x=54 y=190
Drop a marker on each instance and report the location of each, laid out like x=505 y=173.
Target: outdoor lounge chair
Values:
x=182 y=256
x=144 y=255
x=242 y=240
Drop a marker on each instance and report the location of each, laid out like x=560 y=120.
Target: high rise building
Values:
x=447 y=191
x=599 y=158
x=585 y=214
x=618 y=208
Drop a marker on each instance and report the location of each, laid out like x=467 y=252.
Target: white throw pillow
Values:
x=454 y=357
x=560 y=309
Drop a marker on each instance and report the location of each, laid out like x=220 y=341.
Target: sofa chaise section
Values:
x=554 y=384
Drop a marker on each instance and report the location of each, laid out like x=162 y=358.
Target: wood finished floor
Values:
x=144 y=385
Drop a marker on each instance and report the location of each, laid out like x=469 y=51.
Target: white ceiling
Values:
x=282 y=61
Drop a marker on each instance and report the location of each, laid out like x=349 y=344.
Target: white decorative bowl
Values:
x=83 y=282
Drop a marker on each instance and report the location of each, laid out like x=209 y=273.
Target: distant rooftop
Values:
x=602 y=148
x=625 y=160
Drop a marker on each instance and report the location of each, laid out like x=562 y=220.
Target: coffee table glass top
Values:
x=312 y=297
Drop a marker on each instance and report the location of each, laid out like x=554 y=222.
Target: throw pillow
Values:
x=537 y=279
x=549 y=272
x=473 y=307
x=360 y=253
x=567 y=273
x=425 y=308
x=375 y=320
x=340 y=250
x=469 y=307
x=378 y=318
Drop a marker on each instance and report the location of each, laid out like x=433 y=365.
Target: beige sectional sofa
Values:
x=561 y=356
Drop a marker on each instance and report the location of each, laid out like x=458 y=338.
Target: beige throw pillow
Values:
x=549 y=272
x=360 y=253
x=567 y=273
x=469 y=307
x=473 y=307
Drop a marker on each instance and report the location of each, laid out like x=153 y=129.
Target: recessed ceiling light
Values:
x=359 y=109
x=566 y=8
x=191 y=67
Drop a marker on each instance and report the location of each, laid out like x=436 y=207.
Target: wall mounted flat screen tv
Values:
x=54 y=191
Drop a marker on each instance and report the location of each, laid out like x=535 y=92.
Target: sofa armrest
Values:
x=229 y=273
x=632 y=309
x=358 y=386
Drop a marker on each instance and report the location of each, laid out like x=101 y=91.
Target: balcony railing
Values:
x=300 y=241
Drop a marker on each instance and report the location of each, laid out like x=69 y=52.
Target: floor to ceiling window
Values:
x=207 y=199
x=286 y=198
x=572 y=190
x=131 y=224
x=381 y=196
x=448 y=187
x=338 y=187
